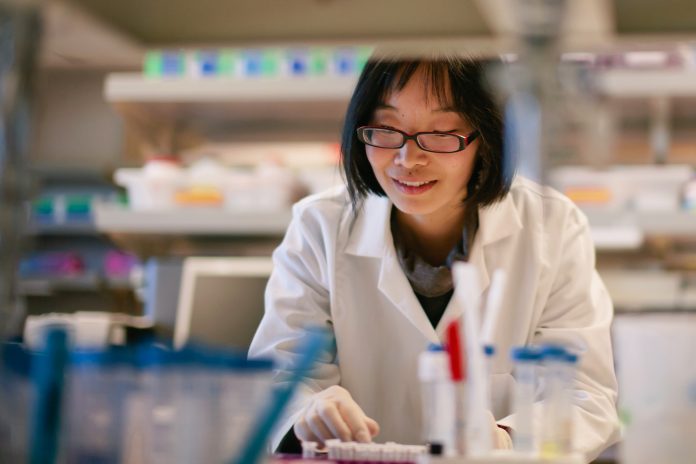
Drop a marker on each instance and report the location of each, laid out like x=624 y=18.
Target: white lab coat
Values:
x=339 y=270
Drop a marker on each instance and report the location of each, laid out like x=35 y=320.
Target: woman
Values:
x=427 y=184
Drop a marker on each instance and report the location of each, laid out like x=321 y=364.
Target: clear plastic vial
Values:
x=438 y=398
x=526 y=360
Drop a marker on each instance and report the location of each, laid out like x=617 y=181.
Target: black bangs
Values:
x=435 y=77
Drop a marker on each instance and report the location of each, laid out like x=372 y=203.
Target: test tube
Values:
x=525 y=360
x=438 y=398
x=566 y=411
x=489 y=356
x=332 y=446
x=309 y=449
x=553 y=361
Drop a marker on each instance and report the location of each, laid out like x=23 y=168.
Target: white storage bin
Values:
x=154 y=186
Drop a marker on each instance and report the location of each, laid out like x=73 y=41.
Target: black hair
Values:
x=467 y=93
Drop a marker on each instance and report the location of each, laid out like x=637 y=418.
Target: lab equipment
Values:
x=557 y=427
x=98 y=385
x=458 y=373
x=209 y=289
x=438 y=397
x=314 y=344
x=17 y=394
x=154 y=186
x=656 y=367
x=479 y=439
x=374 y=452
x=48 y=374
x=309 y=449
x=525 y=364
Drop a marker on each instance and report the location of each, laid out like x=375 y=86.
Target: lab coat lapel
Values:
x=371 y=236
x=496 y=222
x=394 y=284
x=454 y=310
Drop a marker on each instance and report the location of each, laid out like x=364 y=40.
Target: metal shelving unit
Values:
x=111 y=218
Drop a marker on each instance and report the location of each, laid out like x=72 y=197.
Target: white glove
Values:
x=501 y=438
x=333 y=413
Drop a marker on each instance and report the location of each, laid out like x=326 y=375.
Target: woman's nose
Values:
x=410 y=155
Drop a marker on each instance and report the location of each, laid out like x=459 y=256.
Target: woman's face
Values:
x=421 y=183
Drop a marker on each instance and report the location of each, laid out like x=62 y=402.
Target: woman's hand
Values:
x=501 y=436
x=333 y=413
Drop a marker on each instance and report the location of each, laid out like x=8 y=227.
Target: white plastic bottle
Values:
x=437 y=392
x=526 y=360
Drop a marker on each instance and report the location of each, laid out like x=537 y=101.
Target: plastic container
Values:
x=154 y=186
x=100 y=382
x=438 y=399
x=204 y=184
x=200 y=405
x=17 y=397
x=526 y=360
x=271 y=187
x=557 y=428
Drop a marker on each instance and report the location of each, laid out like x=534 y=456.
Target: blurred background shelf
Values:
x=192 y=110
x=70 y=229
x=672 y=224
x=49 y=285
x=134 y=87
x=119 y=219
x=648 y=83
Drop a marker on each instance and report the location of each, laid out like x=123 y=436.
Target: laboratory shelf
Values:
x=134 y=87
x=67 y=228
x=48 y=285
x=669 y=223
x=226 y=100
x=637 y=83
x=87 y=282
x=110 y=218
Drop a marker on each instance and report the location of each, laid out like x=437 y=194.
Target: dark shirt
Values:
x=432 y=284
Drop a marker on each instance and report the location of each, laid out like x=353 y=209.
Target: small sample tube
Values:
x=309 y=449
x=566 y=444
x=438 y=398
x=525 y=361
x=553 y=363
x=559 y=373
x=489 y=356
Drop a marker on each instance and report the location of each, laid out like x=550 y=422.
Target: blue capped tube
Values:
x=438 y=399
x=526 y=360
x=557 y=429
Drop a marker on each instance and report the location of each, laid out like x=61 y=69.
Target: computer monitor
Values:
x=221 y=300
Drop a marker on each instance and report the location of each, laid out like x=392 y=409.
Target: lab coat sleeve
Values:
x=578 y=314
x=297 y=297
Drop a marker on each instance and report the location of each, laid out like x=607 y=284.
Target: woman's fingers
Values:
x=319 y=429
x=355 y=419
x=303 y=431
x=333 y=420
x=372 y=426
x=334 y=414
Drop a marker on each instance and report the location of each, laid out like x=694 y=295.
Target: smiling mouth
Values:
x=414 y=184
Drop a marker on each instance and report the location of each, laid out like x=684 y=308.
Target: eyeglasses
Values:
x=436 y=142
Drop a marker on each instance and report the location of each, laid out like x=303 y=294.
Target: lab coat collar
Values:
x=371 y=236
x=496 y=222
x=371 y=230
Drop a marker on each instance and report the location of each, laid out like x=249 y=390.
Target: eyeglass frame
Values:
x=464 y=140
